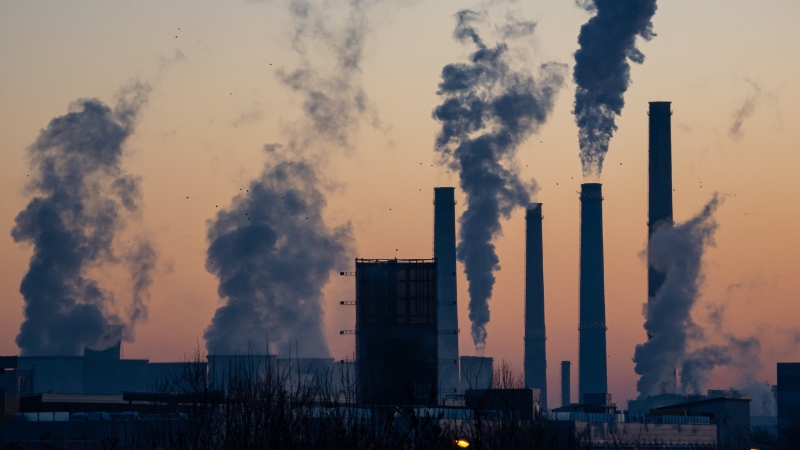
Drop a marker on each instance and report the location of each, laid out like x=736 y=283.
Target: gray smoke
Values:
x=762 y=401
x=81 y=200
x=329 y=76
x=602 y=73
x=742 y=354
x=488 y=110
x=273 y=254
x=271 y=250
x=677 y=252
x=698 y=364
x=746 y=110
x=141 y=261
x=676 y=339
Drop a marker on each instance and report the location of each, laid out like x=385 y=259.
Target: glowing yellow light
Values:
x=462 y=443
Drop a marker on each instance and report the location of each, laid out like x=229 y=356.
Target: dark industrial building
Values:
x=788 y=390
x=535 y=355
x=519 y=404
x=477 y=372
x=592 y=364
x=396 y=331
x=730 y=415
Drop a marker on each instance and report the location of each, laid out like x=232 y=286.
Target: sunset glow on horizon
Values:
x=230 y=84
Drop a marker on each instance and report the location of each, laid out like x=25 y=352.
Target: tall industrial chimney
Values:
x=592 y=366
x=660 y=198
x=565 y=383
x=444 y=250
x=535 y=358
x=660 y=201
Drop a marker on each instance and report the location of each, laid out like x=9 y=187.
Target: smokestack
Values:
x=660 y=198
x=535 y=358
x=659 y=202
x=484 y=120
x=444 y=250
x=565 y=382
x=592 y=370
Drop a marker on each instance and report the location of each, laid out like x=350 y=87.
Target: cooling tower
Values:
x=535 y=358
x=592 y=366
x=660 y=193
x=565 y=383
x=444 y=251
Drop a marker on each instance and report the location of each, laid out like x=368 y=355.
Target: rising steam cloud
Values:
x=82 y=198
x=602 y=73
x=271 y=250
x=488 y=110
x=273 y=254
x=329 y=76
x=677 y=252
x=676 y=340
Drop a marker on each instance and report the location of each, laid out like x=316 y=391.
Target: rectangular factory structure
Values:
x=396 y=331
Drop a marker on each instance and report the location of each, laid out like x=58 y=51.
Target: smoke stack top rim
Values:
x=591 y=191
x=660 y=108
x=534 y=211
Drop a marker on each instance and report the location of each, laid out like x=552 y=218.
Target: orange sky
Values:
x=213 y=108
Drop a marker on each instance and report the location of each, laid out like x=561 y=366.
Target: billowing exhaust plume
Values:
x=82 y=198
x=676 y=251
x=273 y=254
x=271 y=250
x=744 y=355
x=488 y=110
x=602 y=73
x=677 y=341
x=698 y=364
x=329 y=38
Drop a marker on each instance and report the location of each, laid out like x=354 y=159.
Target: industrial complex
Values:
x=407 y=355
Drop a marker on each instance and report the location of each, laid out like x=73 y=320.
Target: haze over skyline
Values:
x=219 y=96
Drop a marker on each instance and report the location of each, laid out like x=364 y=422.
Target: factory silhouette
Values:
x=407 y=355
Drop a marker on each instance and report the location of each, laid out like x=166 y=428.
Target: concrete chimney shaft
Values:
x=592 y=364
x=444 y=250
x=535 y=355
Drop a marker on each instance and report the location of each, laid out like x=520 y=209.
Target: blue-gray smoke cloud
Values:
x=329 y=38
x=273 y=254
x=676 y=340
x=488 y=110
x=698 y=364
x=602 y=73
x=271 y=250
x=745 y=111
x=82 y=197
x=676 y=251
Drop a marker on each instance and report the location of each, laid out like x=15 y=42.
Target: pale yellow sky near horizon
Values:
x=215 y=104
